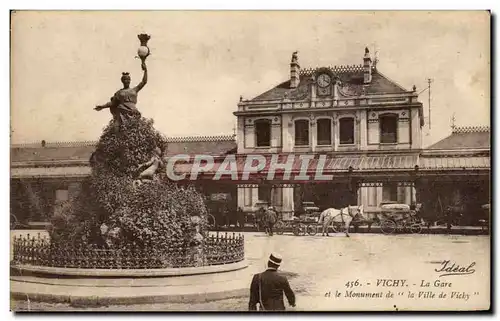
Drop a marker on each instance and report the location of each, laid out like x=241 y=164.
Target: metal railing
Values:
x=215 y=250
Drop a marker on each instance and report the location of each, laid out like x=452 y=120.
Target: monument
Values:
x=128 y=220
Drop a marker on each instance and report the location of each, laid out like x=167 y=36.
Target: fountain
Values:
x=131 y=235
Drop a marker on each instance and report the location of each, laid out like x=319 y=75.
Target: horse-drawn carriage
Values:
x=298 y=225
x=221 y=210
x=304 y=223
x=393 y=216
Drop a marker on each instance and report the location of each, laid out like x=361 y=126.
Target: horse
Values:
x=344 y=215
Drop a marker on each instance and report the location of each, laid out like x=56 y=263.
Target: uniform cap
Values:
x=275 y=259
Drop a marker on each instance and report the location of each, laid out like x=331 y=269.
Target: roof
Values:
x=465 y=138
x=460 y=162
x=206 y=145
x=81 y=151
x=351 y=77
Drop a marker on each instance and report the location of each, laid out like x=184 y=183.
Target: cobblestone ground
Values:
x=316 y=265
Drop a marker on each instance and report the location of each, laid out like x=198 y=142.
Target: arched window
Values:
x=301 y=132
x=324 y=131
x=346 y=131
x=263 y=132
x=389 y=129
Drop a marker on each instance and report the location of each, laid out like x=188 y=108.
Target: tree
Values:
x=112 y=210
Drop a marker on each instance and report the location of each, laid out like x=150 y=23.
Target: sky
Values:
x=63 y=64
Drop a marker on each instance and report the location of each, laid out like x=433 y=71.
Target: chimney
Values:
x=294 y=71
x=367 y=66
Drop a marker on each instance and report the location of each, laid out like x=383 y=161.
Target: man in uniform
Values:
x=267 y=288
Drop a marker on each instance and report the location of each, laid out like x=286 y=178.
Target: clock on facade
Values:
x=324 y=80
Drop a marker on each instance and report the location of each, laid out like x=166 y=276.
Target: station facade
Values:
x=363 y=128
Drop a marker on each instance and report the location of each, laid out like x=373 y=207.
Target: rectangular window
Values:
x=390 y=192
x=402 y=194
x=248 y=196
x=263 y=133
x=389 y=129
x=324 y=131
x=277 y=199
x=301 y=133
x=372 y=196
x=346 y=131
x=264 y=192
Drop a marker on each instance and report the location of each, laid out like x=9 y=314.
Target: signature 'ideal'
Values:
x=451 y=268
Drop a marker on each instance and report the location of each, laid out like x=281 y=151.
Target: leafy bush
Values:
x=157 y=213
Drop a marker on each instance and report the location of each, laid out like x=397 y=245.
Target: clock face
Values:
x=324 y=80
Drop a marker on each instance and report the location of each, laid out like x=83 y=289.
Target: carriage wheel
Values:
x=416 y=228
x=211 y=221
x=338 y=227
x=280 y=228
x=299 y=230
x=302 y=229
x=388 y=226
x=312 y=230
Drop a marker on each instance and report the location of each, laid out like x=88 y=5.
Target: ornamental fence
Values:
x=215 y=250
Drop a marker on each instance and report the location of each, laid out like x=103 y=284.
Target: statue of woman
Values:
x=123 y=104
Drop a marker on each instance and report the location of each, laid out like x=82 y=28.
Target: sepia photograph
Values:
x=251 y=161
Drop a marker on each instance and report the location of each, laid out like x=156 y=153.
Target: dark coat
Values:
x=273 y=284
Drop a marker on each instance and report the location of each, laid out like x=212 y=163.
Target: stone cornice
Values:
x=368 y=96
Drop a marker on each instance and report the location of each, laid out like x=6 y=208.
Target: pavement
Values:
x=317 y=267
x=455 y=230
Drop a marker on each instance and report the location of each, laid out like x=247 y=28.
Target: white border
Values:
x=196 y=5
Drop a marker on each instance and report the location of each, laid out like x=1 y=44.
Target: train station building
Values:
x=364 y=129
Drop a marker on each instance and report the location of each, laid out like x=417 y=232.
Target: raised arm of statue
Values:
x=144 y=80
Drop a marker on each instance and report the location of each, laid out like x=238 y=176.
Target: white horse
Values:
x=345 y=216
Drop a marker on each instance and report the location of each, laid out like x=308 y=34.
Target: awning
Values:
x=368 y=163
x=50 y=172
x=462 y=162
x=326 y=163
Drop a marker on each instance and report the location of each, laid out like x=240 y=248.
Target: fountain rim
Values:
x=161 y=272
